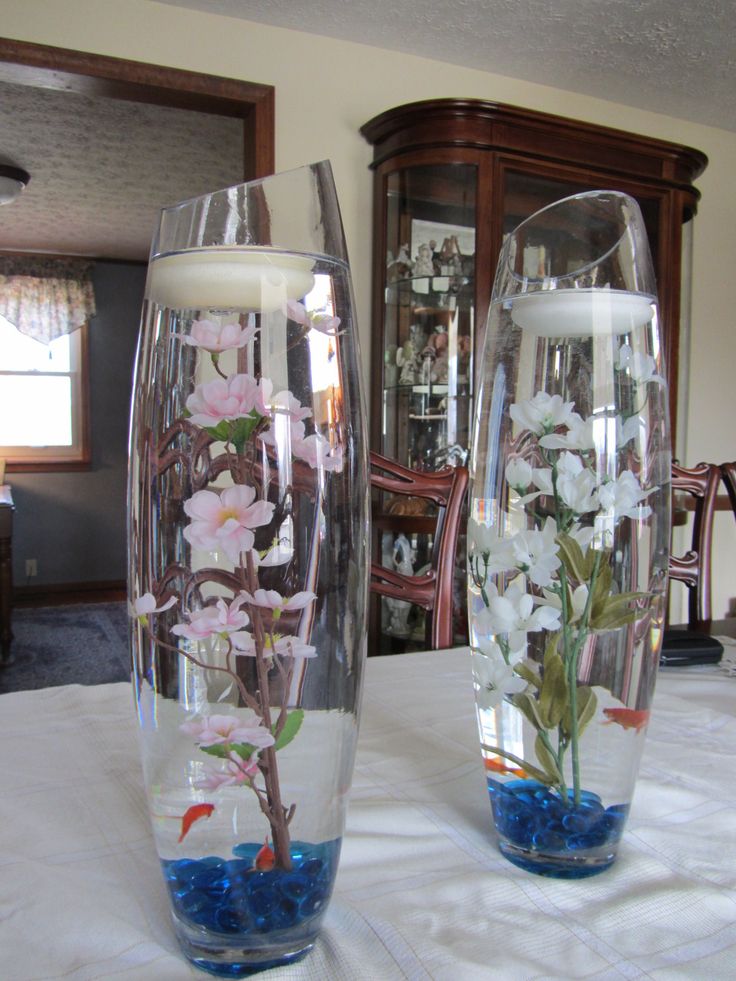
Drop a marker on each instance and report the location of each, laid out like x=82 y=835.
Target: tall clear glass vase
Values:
x=248 y=538
x=569 y=531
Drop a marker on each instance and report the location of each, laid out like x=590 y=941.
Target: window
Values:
x=43 y=401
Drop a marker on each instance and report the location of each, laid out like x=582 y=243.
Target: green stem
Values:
x=572 y=677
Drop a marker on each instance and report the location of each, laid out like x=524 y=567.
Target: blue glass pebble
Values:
x=534 y=819
x=230 y=897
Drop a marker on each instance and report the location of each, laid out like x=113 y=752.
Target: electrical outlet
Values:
x=31 y=568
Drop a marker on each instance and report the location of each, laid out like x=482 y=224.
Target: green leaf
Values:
x=601 y=587
x=220 y=432
x=527 y=705
x=615 y=611
x=291 y=728
x=525 y=672
x=222 y=750
x=554 y=696
x=236 y=431
x=572 y=558
x=587 y=703
x=528 y=768
x=548 y=761
x=551 y=645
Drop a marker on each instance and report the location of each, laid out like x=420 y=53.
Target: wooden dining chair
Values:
x=728 y=473
x=431 y=590
x=693 y=568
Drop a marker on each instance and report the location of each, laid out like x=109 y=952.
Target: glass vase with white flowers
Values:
x=568 y=536
x=248 y=536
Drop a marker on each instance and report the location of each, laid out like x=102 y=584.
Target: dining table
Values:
x=422 y=891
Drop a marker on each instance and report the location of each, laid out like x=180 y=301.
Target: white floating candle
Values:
x=226 y=277
x=577 y=313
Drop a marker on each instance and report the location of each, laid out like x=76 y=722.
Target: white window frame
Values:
x=76 y=456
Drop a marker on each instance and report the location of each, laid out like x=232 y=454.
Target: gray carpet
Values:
x=85 y=644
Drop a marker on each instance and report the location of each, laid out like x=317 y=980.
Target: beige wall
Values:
x=326 y=89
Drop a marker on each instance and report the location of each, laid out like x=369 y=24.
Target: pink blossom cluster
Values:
x=216 y=338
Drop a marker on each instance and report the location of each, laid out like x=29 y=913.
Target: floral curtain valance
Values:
x=46 y=298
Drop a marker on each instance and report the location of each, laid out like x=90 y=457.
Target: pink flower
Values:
x=286 y=646
x=316 y=451
x=143 y=606
x=277 y=554
x=293 y=647
x=231 y=398
x=224 y=521
x=325 y=323
x=215 y=337
x=284 y=403
x=237 y=771
x=222 y=730
x=273 y=436
x=279 y=604
x=218 y=620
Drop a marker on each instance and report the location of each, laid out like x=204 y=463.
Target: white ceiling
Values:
x=668 y=56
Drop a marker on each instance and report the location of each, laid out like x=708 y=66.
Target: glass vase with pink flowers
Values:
x=248 y=537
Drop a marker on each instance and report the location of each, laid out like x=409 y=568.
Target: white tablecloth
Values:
x=422 y=892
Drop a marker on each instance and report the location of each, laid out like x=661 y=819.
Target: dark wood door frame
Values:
x=43 y=66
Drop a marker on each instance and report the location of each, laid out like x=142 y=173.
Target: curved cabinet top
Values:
x=495 y=126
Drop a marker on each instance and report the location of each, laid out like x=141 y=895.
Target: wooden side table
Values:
x=6 y=573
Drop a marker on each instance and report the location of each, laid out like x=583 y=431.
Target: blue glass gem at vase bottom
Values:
x=541 y=832
x=272 y=915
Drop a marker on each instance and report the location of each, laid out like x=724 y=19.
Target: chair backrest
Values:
x=693 y=568
x=432 y=590
x=728 y=472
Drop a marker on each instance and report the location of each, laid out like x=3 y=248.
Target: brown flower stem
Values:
x=247 y=699
x=267 y=762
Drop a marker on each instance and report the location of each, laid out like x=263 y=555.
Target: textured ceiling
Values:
x=667 y=56
x=101 y=169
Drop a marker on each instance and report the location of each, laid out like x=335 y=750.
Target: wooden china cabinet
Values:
x=452 y=178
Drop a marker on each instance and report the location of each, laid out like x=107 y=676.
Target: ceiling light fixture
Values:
x=12 y=182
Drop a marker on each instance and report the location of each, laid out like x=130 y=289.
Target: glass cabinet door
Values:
x=429 y=315
x=453 y=177
x=428 y=351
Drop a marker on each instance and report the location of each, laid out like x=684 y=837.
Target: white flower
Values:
x=493 y=650
x=624 y=496
x=518 y=474
x=626 y=431
x=541 y=414
x=576 y=485
x=579 y=435
x=579 y=599
x=485 y=541
x=535 y=553
x=640 y=366
x=513 y=613
x=494 y=679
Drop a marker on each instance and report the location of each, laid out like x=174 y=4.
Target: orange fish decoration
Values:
x=498 y=766
x=265 y=858
x=194 y=813
x=628 y=718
